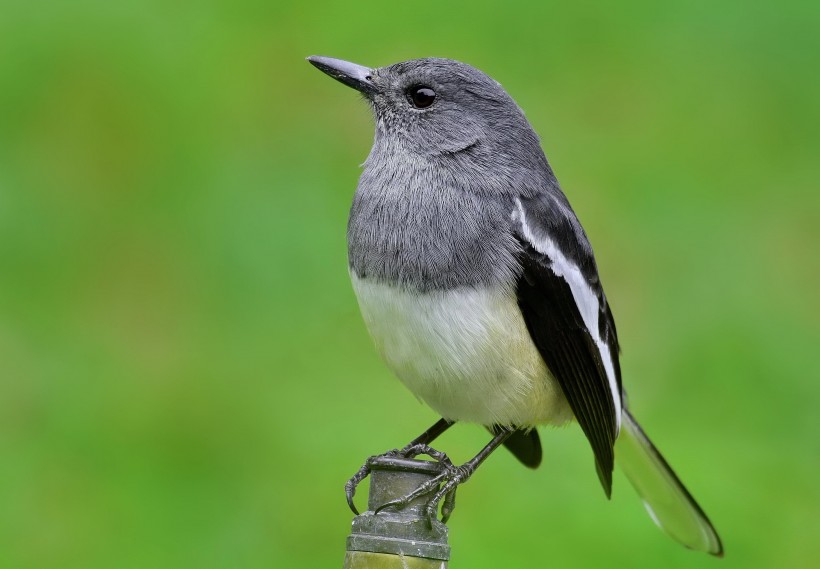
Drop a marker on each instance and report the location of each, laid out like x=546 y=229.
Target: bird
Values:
x=480 y=289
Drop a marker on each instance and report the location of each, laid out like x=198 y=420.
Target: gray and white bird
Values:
x=479 y=285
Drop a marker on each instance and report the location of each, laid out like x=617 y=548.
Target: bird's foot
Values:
x=410 y=451
x=444 y=485
x=414 y=450
x=361 y=474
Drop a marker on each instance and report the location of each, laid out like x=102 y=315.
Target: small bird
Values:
x=479 y=286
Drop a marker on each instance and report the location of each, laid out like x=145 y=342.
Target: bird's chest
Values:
x=466 y=352
x=429 y=237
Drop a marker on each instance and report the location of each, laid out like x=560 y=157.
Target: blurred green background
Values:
x=184 y=377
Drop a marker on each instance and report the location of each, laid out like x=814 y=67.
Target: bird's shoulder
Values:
x=548 y=217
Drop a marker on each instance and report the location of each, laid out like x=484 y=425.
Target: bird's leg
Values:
x=449 y=481
x=414 y=448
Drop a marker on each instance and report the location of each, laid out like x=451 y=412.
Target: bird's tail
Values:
x=665 y=497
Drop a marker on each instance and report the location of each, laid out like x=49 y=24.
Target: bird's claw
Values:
x=447 y=492
x=444 y=485
x=361 y=474
x=410 y=451
x=350 y=491
x=429 y=486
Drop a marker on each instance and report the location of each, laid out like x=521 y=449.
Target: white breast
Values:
x=466 y=352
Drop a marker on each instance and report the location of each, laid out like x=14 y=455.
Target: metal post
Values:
x=401 y=539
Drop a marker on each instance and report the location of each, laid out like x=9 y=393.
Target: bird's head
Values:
x=438 y=108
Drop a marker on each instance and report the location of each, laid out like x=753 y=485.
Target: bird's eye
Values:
x=420 y=96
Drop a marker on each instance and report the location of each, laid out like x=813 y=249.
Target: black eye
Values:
x=420 y=96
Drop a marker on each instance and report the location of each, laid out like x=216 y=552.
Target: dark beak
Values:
x=352 y=75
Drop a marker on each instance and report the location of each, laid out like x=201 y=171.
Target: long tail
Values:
x=667 y=500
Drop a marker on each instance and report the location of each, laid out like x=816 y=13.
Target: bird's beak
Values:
x=352 y=75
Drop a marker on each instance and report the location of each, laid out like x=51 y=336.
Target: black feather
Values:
x=525 y=446
x=558 y=330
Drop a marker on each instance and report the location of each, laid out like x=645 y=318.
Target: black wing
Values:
x=569 y=320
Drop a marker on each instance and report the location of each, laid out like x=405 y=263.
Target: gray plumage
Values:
x=478 y=283
x=432 y=208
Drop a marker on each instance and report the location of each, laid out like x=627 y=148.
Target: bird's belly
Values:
x=466 y=352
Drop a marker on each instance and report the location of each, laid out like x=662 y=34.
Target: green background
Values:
x=185 y=380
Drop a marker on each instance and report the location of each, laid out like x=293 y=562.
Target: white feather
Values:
x=466 y=352
x=585 y=299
